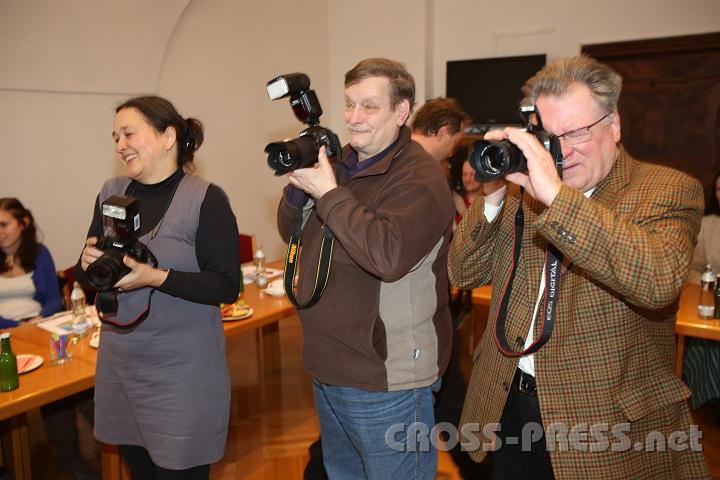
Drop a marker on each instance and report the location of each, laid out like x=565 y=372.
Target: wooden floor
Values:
x=273 y=419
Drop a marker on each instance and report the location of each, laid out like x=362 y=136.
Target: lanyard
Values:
x=323 y=270
x=553 y=262
x=292 y=258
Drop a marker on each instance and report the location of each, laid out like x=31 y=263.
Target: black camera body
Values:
x=302 y=152
x=492 y=160
x=122 y=214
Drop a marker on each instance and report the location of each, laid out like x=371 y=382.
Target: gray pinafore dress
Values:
x=164 y=384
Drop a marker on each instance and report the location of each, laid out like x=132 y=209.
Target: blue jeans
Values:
x=354 y=424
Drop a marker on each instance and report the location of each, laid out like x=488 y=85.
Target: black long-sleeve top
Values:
x=217 y=243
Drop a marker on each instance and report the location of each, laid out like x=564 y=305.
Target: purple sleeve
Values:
x=295 y=196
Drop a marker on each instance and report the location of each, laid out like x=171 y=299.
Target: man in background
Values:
x=578 y=360
x=438 y=127
x=379 y=338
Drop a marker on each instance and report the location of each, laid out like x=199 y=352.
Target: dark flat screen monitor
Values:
x=489 y=88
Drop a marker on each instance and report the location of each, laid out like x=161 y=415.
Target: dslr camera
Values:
x=122 y=214
x=302 y=152
x=492 y=160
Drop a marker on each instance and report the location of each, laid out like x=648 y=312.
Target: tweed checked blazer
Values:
x=609 y=363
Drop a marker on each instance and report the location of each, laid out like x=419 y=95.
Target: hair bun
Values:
x=194 y=134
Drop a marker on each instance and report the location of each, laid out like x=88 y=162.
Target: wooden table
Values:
x=267 y=312
x=50 y=383
x=44 y=385
x=687 y=323
x=482 y=295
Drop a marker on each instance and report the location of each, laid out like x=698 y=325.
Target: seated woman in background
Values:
x=29 y=290
x=28 y=281
x=702 y=357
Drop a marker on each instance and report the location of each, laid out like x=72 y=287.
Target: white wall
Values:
x=373 y=28
x=465 y=29
x=63 y=68
x=220 y=57
x=65 y=65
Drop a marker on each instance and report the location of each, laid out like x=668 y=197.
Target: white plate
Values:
x=275 y=292
x=247 y=314
x=27 y=362
x=276 y=288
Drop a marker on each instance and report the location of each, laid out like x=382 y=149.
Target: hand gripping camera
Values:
x=122 y=214
x=302 y=152
x=492 y=160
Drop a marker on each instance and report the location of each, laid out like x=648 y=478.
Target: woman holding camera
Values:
x=162 y=388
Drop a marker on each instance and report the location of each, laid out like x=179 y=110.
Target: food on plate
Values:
x=237 y=309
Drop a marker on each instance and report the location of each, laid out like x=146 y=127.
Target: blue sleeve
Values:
x=47 y=290
x=7 y=323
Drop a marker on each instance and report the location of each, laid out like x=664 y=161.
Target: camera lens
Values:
x=492 y=160
x=284 y=157
x=279 y=158
x=104 y=272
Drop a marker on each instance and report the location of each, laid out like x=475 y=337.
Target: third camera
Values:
x=492 y=160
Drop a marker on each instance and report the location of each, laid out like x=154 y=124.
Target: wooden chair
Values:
x=247 y=247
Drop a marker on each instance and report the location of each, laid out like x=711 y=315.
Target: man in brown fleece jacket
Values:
x=378 y=340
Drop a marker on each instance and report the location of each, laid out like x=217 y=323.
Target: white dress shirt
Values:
x=527 y=362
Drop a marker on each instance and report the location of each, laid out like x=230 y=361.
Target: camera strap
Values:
x=128 y=314
x=292 y=258
x=323 y=271
x=552 y=267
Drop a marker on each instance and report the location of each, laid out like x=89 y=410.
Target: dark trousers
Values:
x=59 y=417
x=518 y=456
x=449 y=400
x=142 y=467
x=315 y=470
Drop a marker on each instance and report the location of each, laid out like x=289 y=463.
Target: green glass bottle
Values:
x=8 y=366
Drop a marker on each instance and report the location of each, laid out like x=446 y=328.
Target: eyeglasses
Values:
x=582 y=134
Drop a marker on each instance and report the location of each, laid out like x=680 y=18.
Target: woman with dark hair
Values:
x=28 y=281
x=701 y=370
x=162 y=389
x=29 y=290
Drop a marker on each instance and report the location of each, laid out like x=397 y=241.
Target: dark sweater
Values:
x=218 y=254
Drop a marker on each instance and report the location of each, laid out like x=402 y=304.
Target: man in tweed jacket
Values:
x=600 y=395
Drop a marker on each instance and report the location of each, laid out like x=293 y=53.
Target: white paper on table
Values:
x=61 y=323
x=249 y=273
